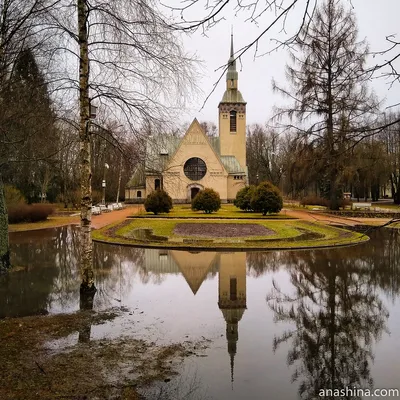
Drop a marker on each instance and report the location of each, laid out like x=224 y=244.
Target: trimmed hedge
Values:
x=29 y=213
x=314 y=201
x=320 y=201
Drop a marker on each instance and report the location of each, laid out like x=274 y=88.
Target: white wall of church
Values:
x=234 y=185
x=195 y=144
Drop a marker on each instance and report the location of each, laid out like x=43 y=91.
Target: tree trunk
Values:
x=4 y=243
x=86 y=247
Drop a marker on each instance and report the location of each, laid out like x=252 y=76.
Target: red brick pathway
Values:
x=99 y=221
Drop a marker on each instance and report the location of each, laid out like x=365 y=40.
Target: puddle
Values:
x=277 y=321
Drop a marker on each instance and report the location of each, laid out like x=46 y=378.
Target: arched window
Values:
x=139 y=194
x=157 y=184
x=232 y=121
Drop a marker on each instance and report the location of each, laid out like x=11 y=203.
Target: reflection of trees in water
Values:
x=384 y=260
x=25 y=290
x=381 y=256
x=66 y=286
x=115 y=272
x=261 y=262
x=337 y=315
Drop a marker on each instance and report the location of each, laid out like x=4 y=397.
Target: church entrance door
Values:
x=193 y=192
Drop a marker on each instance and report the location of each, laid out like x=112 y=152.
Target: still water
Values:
x=282 y=324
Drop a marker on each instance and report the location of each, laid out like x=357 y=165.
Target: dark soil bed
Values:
x=221 y=230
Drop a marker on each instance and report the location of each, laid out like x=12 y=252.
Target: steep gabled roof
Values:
x=214 y=144
x=195 y=266
x=138 y=179
x=159 y=150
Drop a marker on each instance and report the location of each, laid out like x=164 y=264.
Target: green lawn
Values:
x=285 y=236
x=226 y=211
x=51 y=222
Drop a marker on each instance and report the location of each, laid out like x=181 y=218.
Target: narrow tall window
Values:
x=139 y=194
x=233 y=289
x=233 y=121
x=157 y=184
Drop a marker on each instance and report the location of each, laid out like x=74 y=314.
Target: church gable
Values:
x=194 y=267
x=196 y=144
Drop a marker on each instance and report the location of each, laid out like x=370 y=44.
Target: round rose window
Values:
x=195 y=168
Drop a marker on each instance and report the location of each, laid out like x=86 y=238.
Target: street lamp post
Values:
x=103 y=184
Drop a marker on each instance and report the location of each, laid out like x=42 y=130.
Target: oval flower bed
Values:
x=219 y=234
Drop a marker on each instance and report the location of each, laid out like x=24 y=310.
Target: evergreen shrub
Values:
x=206 y=200
x=266 y=199
x=243 y=198
x=158 y=202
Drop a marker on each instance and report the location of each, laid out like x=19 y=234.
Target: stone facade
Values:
x=183 y=167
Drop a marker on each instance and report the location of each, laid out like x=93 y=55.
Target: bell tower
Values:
x=232 y=116
x=232 y=298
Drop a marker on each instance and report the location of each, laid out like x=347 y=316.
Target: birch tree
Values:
x=131 y=63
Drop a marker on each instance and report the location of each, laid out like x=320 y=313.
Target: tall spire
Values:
x=232 y=73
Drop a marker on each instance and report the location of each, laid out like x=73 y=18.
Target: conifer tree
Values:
x=32 y=125
x=331 y=99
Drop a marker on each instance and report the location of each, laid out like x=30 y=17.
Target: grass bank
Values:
x=160 y=233
x=51 y=222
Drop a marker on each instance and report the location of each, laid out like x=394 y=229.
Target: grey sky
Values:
x=376 y=20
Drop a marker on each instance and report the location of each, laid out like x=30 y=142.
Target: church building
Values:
x=183 y=166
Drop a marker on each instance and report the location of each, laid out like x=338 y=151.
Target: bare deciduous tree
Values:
x=265 y=154
x=131 y=62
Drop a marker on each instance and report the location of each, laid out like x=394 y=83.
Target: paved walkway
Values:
x=99 y=221
x=333 y=219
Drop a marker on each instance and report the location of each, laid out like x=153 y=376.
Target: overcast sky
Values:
x=376 y=20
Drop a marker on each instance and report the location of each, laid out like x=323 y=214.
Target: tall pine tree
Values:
x=31 y=125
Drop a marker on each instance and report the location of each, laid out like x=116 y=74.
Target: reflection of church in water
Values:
x=195 y=267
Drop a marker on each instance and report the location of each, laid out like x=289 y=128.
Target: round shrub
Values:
x=158 y=201
x=243 y=198
x=266 y=199
x=206 y=200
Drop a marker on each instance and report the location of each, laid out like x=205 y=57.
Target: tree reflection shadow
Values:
x=337 y=314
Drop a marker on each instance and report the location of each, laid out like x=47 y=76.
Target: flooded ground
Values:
x=278 y=324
